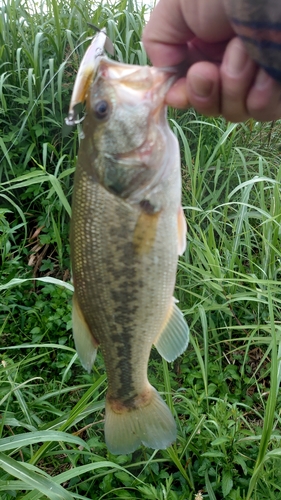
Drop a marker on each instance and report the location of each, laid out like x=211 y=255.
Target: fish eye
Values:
x=101 y=109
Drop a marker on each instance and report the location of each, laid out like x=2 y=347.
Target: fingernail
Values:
x=236 y=59
x=262 y=80
x=202 y=87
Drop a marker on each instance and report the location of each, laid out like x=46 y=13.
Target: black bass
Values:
x=127 y=231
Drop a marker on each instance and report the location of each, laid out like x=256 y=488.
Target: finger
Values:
x=203 y=88
x=166 y=34
x=177 y=96
x=172 y=25
x=237 y=74
x=264 y=98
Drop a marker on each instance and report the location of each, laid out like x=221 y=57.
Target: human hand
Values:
x=221 y=77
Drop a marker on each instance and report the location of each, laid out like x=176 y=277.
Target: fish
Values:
x=127 y=231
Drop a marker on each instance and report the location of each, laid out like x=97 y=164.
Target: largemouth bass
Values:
x=127 y=231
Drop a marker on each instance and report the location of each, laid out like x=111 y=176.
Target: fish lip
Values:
x=178 y=70
x=166 y=79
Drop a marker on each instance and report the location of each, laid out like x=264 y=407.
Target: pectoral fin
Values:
x=145 y=232
x=85 y=343
x=174 y=336
x=182 y=229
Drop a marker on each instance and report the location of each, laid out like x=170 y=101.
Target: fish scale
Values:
x=121 y=281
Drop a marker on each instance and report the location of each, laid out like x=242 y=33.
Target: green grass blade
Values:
x=79 y=407
x=21 y=440
x=271 y=403
x=47 y=279
x=43 y=483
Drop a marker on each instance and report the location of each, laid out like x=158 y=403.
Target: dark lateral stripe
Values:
x=257 y=25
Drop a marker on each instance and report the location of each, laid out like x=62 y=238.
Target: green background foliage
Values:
x=224 y=391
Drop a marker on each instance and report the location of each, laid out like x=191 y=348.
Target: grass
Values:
x=224 y=391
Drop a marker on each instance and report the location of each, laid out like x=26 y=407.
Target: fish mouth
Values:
x=151 y=83
x=134 y=83
x=93 y=60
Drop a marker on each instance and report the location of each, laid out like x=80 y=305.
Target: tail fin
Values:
x=152 y=425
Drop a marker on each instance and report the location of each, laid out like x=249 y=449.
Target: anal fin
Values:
x=174 y=336
x=85 y=343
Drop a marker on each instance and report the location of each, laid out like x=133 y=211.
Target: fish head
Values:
x=126 y=126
